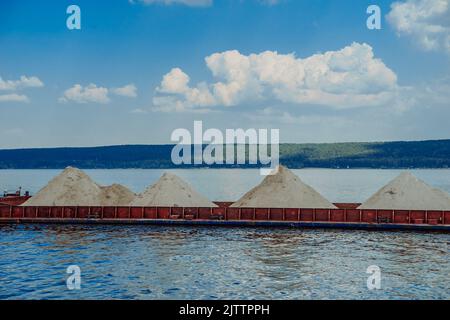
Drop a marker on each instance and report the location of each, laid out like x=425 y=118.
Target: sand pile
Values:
x=283 y=190
x=408 y=193
x=73 y=187
x=171 y=191
x=116 y=195
x=70 y=188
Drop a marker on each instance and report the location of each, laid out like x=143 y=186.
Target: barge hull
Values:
x=345 y=218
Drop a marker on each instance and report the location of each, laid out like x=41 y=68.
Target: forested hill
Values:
x=416 y=154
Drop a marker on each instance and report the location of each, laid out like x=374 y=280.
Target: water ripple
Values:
x=150 y=262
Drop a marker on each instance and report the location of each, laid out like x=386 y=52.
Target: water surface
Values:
x=145 y=262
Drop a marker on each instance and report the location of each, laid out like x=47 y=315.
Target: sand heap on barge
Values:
x=116 y=195
x=73 y=187
x=406 y=192
x=281 y=200
x=283 y=190
x=171 y=191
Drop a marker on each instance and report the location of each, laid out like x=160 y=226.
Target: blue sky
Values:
x=137 y=71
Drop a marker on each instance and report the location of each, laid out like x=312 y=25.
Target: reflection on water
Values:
x=153 y=262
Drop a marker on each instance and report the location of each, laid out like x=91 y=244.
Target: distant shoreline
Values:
x=431 y=154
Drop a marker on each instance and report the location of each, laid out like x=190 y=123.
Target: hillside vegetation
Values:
x=415 y=154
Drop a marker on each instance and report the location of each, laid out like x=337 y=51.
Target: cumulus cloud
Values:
x=15 y=85
x=190 y=3
x=138 y=111
x=13 y=97
x=180 y=95
x=129 y=91
x=347 y=78
x=23 y=82
x=96 y=94
x=90 y=93
x=427 y=22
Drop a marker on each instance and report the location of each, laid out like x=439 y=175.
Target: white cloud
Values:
x=129 y=91
x=23 y=82
x=172 y=104
x=426 y=21
x=14 y=97
x=190 y=3
x=96 y=94
x=176 y=82
x=347 y=78
x=15 y=85
x=139 y=111
x=90 y=93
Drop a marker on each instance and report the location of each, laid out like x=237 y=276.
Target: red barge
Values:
x=347 y=216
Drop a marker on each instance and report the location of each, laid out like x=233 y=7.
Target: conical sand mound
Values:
x=70 y=188
x=283 y=190
x=116 y=195
x=73 y=187
x=408 y=193
x=171 y=191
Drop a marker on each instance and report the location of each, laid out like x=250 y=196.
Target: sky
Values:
x=137 y=70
